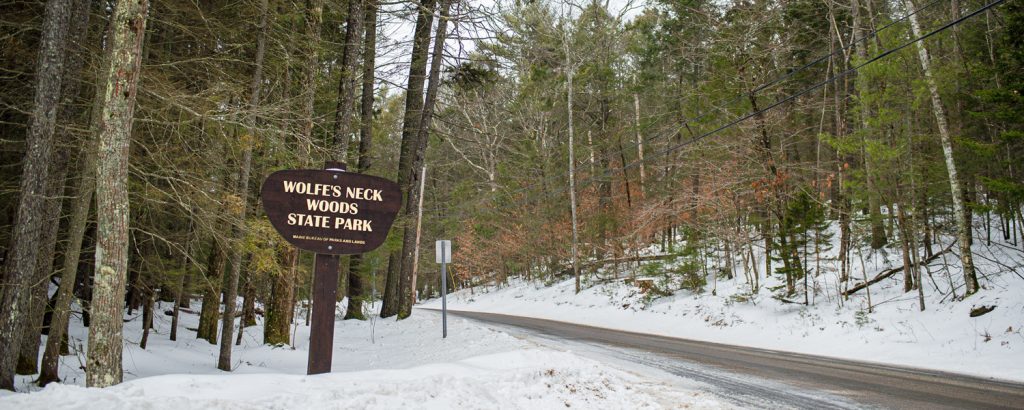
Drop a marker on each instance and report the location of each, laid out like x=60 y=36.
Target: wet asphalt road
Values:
x=759 y=378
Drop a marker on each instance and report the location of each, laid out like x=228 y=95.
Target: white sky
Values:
x=395 y=35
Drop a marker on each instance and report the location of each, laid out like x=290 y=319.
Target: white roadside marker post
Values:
x=444 y=257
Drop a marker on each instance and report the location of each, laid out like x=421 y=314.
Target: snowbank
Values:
x=378 y=364
x=943 y=337
x=520 y=379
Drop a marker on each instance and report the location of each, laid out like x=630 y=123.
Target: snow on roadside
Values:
x=520 y=379
x=943 y=337
x=378 y=364
x=359 y=345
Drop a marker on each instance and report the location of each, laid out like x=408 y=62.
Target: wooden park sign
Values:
x=330 y=212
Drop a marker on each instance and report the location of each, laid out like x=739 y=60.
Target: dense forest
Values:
x=546 y=139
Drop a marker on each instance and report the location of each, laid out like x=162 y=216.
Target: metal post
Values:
x=444 y=294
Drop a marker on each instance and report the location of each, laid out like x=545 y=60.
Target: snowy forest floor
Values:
x=943 y=337
x=377 y=364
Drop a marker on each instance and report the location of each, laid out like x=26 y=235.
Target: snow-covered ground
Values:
x=378 y=364
x=943 y=337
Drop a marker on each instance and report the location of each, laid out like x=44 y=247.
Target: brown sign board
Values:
x=331 y=212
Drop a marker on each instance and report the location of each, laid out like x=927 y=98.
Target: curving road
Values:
x=760 y=378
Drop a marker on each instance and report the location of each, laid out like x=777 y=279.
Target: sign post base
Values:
x=321 y=334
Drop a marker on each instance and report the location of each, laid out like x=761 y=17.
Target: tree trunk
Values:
x=128 y=27
x=248 y=308
x=313 y=20
x=183 y=298
x=389 y=300
x=211 y=286
x=407 y=157
x=422 y=131
x=23 y=252
x=275 y=326
x=572 y=175
x=639 y=142
x=766 y=152
x=418 y=235
x=242 y=193
x=905 y=232
x=959 y=211
x=76 y=232
x=878 y=237
x=28 y=357
x=347 y=83
x=356 y=287
x=147 y=316
x=176 y=311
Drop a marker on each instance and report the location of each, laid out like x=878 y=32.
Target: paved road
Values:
x=770 y=379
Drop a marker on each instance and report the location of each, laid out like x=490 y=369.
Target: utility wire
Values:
x=728 y=102
x=607 y=172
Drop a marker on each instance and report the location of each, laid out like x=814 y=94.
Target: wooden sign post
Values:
x=330 y=212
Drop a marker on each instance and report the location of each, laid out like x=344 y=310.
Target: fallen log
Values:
x=889 y=272
x=608 y=261
x=978 y=311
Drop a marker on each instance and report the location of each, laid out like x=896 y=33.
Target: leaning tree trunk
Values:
x=23 y=252
x=242 y=193
x=32 y=323
x=128 y=27
x=394 y=292
x=409 y=242
x=959 y=211
x=356 y=287
x=76 y=231
x=81 y=203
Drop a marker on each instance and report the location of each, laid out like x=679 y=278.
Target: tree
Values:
x=959 y=211
x=393 y=291
x=347 y=83
x=20 y=264
x=103 y=363
x=242 y=196
x=356 y=282
x=410 y=242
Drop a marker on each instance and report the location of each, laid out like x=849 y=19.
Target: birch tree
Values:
x=959 y=211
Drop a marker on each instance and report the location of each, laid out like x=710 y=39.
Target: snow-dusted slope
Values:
x=943 y=337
